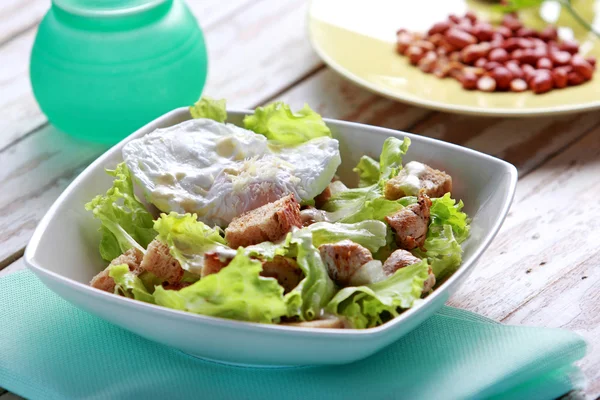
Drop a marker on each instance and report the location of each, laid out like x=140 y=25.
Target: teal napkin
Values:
x=52 y=350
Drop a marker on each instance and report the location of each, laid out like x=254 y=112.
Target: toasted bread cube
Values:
x=285 y=270
x=132 y=257
x=214 y=262
x=401 y=259
x=160 y=262
x=343 y=259
x=329 y=323
x=415 y=177
x=270 y=222
x=411 y=223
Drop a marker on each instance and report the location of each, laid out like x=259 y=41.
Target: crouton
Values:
x=323 y=197
x=285 y=270
x=343 y=259
x=415 y=177
x=411 y=223
x=132 y=257
x=160 y=262
x=329 y=323
x=214 y=262
x=401 y=259
x=270 y=222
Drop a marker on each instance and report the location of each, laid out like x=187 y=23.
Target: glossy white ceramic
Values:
x=63 y=253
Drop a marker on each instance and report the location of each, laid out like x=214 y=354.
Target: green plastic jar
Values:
x=100 y=69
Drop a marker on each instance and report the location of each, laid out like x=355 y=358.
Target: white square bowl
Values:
x=63 y=253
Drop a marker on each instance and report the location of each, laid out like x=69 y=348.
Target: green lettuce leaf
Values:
x=278 y=123
x=369 y=233
x=125 y=221
x=236 y=292
x=355 y=205
x=449 y=227
x=390 y=160
x=128 y=284
x=445 y=211
x=188 y=239
x=368 y=171
x=371 y=305
x=316 y=289
x=209 y=108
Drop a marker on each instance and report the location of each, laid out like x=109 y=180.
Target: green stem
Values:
x=567 y=5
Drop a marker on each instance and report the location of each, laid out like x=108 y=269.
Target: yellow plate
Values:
x=357 y=39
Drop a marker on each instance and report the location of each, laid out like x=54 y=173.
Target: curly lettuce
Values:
x=236 y=292
x=370 y=234
x=449 y=227
x=125 y=221
x=209 y=108
x=129 y=284
x=279 y=124
x=188 y=239
x=371 y=305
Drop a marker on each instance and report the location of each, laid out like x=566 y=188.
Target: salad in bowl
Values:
x=253 y=223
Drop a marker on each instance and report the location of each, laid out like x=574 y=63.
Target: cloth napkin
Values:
x=50 y=349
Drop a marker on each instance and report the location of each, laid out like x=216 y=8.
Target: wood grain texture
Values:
x=543 y=267
x=18 y=16
x=18 y=265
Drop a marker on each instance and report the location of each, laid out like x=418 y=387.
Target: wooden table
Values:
x=542 y=269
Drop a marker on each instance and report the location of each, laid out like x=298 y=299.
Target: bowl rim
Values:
x=31 y=249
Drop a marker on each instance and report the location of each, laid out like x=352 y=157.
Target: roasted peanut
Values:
x=560 y=57
x=470 y=15
x=440 y=27
x=541 y=82
x=427 y=62
x=481 y=62
x=490 y=65
x=468 y=80
x=504 y=31
x=414 y=54
x=424 y=44
x=454 y=18
x=483 y=31
x=486 y=84
x=582 y=67
x=511 y=44
x=591 y=61
x=544 y=63
x=569 y=46
x=502 y=76
x=574 y=78
x=512 y=22
x=526 y=32
x=403 y=41
x=549 y=33
x=518 y=85
x=473 y=52
x=559 y=76
x=499 y=55
x=514 y=69
x=460 y=39
x=436 y=39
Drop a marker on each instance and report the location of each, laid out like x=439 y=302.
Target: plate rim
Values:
x=435 y=105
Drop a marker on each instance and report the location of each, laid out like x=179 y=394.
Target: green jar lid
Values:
x=105 y=8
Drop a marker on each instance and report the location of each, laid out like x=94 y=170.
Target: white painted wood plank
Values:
x=543 y=268
x=19 y=15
